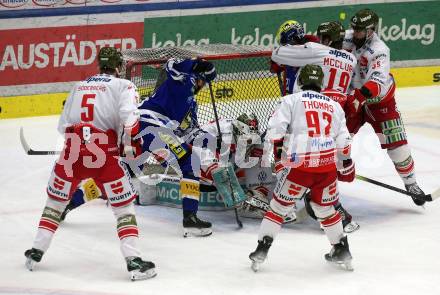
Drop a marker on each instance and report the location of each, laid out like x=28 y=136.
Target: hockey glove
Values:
x=346 y=170
x=205 y=70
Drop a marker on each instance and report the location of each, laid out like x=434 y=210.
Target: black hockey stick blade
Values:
x=427 y=198
x=30 y=151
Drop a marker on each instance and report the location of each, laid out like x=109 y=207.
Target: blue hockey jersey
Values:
x=173 y=104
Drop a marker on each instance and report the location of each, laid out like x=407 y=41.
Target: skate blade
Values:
x=351 y=227
x=30 y=264
x=196 y=232
x=344 y=265
x=255 y=266
x=137 y=275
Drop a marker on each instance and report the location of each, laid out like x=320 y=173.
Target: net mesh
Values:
x=244 y=82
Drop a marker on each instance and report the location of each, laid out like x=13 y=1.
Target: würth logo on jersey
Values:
x=58 y=184
x=294 y=190
x=117 y=187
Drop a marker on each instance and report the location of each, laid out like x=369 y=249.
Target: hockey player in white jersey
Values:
x=310 y=141
x=338 y=67
x=374 y=100
x=94 y=112
x=257 y=180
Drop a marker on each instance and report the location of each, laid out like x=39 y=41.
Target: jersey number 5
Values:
x=87 y=102
x=312 y=118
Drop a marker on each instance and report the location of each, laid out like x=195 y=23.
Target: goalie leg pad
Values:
x=227 y=185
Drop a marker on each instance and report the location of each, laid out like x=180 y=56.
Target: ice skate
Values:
x=416 y=190
x=340 y=255
x=260 y=254
x=140 y=269
x=33 y=256
x=193 y=226
x=347 y=220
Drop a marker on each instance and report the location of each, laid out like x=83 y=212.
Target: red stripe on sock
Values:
x=405 y=170
x=332 y=220
x=270 y=215
x=48 y=225
x=127 y=232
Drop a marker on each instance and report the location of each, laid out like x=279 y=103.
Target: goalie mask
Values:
x=245 y=126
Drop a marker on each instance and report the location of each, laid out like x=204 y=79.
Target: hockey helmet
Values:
x=311 y=76
x=364 y=23
x=204 y=70
x=109 y=58
x=332 y=32
x=290 y=32
x=245 y=124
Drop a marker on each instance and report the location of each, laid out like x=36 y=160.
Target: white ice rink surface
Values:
x=396 y=250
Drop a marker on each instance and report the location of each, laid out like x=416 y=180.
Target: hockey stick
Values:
x=237 y=219
x=30 y=151
x=280 y=83
x=428 y=198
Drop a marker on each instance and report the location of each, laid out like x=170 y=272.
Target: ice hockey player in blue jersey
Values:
x=169 y=114
x=290 y=32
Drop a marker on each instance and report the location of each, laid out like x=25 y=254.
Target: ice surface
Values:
x=396 y=250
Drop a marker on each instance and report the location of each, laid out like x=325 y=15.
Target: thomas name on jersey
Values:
x=317 y=104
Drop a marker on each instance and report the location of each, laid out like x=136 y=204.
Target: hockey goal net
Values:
x=244 y=82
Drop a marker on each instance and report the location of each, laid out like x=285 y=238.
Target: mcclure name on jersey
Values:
x=338 y=64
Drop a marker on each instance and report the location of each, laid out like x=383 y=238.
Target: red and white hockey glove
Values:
x=346 y=170
x=357 y=99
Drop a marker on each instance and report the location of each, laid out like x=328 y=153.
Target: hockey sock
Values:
x=190 y=192
x=403 y=162
x=271 y=225
x=333 y=228
x=49 y=222
x=127 y=230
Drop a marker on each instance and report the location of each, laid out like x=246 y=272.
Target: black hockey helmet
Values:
x=311 y=76
x=364 y=19
x=331 y=33
x=364 y=23
x=109 y=58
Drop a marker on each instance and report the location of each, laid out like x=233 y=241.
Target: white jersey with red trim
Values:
x=337 y=65
x=373 y=63
x=105 y=101
x=226 y=129
x=312 y=126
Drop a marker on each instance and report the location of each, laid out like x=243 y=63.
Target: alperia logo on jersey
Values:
x=339 y=53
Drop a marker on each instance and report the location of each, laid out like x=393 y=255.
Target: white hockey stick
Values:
x=30 y=151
